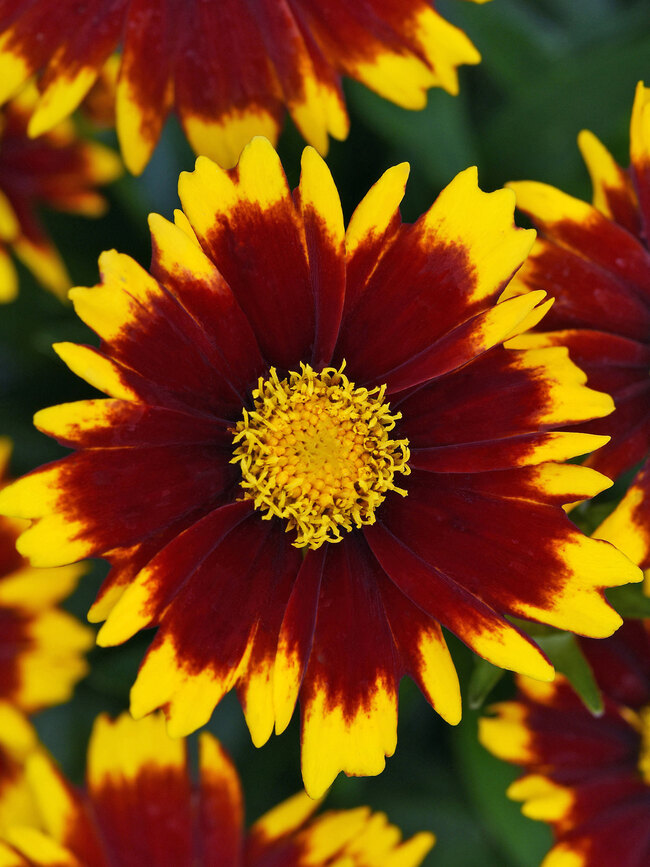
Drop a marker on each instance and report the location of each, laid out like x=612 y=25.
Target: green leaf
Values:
x=484 y=678
x=564 y=652
x=630 y=600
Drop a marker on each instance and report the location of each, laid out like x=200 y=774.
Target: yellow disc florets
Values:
x=316 y=451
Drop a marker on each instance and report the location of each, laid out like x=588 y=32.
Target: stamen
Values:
x=315 y=451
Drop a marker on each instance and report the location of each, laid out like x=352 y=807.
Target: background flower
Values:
x=595 y=261
x=141 y=807
x=59 y=170
x=587 y=775
x=228 y=69
x=250 y=280
x=41 y=646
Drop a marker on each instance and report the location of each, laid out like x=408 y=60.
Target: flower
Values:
x=140 y=807
x=595 y=261
x=57 y=170
x=588 y=776
x=229 y=69
x=41 y=646
x=315 y=451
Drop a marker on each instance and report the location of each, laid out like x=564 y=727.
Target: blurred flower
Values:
x=279 y=385
x=595 y=261
x=229 y=68
x=588 y=776
x=58 y=170
x=41 y=646
x=140 y=808
x=18 y=741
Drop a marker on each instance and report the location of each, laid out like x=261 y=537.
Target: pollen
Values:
x=316 y=451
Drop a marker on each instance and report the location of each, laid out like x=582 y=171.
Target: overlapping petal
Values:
x=140 y=806
x=229 y=70
x=250 y=284
x=59 y=171
x=595 y=261
x=41 y=645
x=584 y=774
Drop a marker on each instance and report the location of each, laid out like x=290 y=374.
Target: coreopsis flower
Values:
x=140 y=806
x=315 y=452
x=588 y=776
x=58 y=170
x=229 y=69
x=41 y=646
x=595 y=261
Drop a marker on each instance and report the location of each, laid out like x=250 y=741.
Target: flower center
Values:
x=644 y=753
x=316 y=451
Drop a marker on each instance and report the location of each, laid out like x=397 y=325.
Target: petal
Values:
x=76 y=518
x=223 y=106
x=248 y=225
x=8 y=277
x=570 y=278
x=144 y=328
x=463 y=613
x=201 y=651
x=157 y=584
x=221 y=806
x=40 y=851
x=349 y=693
x=542 y=568
x=144 y=88
x=296 y=637
x=501 y=454
x=77 y=47
x=52 y=661
x=614 y=194
x=535 y=390
x=454 y=265
x=371 y=229
x=618 y=366
x=309 y=86
x=33 y=590
x=122 y=424
x=628 y=527
x=640 y=151
x=582 y=229
x=463 y=343
x=396 y=53
x=423 y=652
x=63 y=814
x=279 y=824
x=42 y=259
x=594 y=847
x=320 y=207
x=621 y=664
x=180 y=265
x=140 y=789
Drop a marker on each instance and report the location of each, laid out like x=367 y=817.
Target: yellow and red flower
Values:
x=595 y=261
x=588 y=776
x=57 y=170
x=229 y=69
x=315 y=452
x=140 y=807
x=41 y=646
